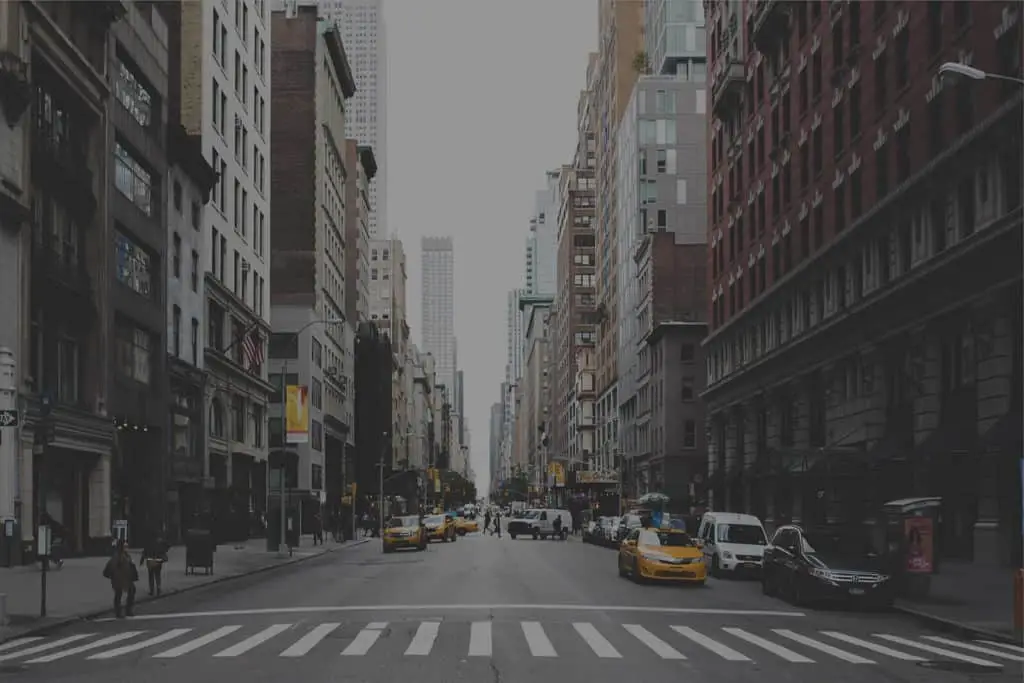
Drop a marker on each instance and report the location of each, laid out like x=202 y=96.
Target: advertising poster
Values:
x=298 y=414
x=918 y=534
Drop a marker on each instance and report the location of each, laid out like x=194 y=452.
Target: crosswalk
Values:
x=476 y=639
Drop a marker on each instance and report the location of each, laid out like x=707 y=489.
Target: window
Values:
x=133 y=95
x=680 y=190
x=316 y=393
x=689 y=434
x=176 y=256
x=238 y=419
x=687 y=353
x=687 y=389
x=133 y=264
x=67 y=370
x=132 y=180
x=903 y=58
x=177 y=196
x=195 y=270
x=195 y=341
x=176 y=331
x=132 y=351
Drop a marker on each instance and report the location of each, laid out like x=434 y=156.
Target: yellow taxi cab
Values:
x=664 y=554
x=439 y=528
x=464 y=525
x=404 y=532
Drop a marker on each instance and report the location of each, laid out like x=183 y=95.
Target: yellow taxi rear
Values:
x=464 y=525
x=662 y=555
x=404 y=532
x=439 y=528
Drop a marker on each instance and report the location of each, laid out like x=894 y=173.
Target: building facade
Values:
x=541 y=243
x=363 y=162
x=310 y=344
x=864 y=252
x=675 y=38
x=662 y=233
x=364 y=35
x=438 y=305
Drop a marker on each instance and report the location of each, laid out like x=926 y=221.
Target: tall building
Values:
x=541 y=243
x=361 y=167
x=438 y=306
x=496 y=428
x=388 y=277
x=514 y=336
x=574 y=324
x=864 y=245
x=225 y=95
x=675 y=39
x=620 y=41
x=364 y=36
x=312 y=82
x=662 y=283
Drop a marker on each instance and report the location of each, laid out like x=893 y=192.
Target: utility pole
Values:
x=10 y=534
x=282 y=545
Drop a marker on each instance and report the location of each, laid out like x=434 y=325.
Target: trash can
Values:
x=199 y=549
x=910 y=530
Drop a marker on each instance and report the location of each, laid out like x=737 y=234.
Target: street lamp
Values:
x=282 y=546
x=975 y=74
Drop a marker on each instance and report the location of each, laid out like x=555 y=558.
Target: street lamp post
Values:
x=975 y=74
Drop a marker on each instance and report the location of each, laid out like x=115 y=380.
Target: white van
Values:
x=539 y=523
x=733 y=542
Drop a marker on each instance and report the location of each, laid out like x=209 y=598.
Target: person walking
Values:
x=154 y=555
x=487 y=519
x=122 y=574
x=497 y=523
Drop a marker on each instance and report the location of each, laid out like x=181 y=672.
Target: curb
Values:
x=44 y=629
x=956 y=627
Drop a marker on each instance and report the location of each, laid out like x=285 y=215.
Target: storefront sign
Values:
x=298 y=414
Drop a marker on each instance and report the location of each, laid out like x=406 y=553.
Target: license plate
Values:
x=856 y=591
x=750 y=565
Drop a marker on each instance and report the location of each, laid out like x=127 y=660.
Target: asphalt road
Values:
x=495 y=610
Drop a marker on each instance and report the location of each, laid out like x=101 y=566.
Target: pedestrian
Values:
x=497 y=523
x=487 y=519
x=122 y=574
x=556 y=526
x=154 y=555
x=318 y=529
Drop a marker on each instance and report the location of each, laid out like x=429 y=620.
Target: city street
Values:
x=489 y=609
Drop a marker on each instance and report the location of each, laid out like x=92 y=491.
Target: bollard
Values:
x=1018 y=600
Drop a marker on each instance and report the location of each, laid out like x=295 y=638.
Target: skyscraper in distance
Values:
x=438 y=306
x=363 y=35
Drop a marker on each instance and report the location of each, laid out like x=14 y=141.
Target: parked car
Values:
x=733 y=543
x=540 y=524
x=825 y=565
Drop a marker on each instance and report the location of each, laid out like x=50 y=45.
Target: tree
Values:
x=641 y=64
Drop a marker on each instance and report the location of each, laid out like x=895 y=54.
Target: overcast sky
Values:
x=481 y=101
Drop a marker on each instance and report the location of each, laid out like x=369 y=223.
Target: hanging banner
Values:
x=297 y=414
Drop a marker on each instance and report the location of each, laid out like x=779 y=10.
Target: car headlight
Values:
x=884 y=577
x=726 y=554
x=657 y=557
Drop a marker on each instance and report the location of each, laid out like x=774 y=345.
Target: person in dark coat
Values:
x=122 y=574
x=154 y=555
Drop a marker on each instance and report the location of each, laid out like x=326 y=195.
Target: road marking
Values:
x=365 y=639
x=45 y=646
x=659 y=646
x=975 y=648
x=134 y=647
x=254 y=640
x=723 y=651
x=538 y=641
x=18 y=642
x=423 y=642
x=460 y=608
x=774 y=648
x=197 y=643
x=1005 y=646
x=310 y=640
x=937 y=650
x=874 y=647
x=598 y=643
x=823 y=647
x=102 y=642
x=480 y=639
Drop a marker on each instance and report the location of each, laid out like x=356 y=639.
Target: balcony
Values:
x=727 y=85
x=62 y=281
x=63 y=168
x=769 y=22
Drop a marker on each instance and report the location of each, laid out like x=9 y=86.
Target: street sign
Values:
x=9 y=418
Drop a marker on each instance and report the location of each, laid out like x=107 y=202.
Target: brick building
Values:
x=864 y=250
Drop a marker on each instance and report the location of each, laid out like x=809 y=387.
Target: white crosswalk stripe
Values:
x=774 y=648
x=480 y=644
x=202 y=641
x=142 y=644
x=543 y=640
x=598 y=643
x=253 y=641
x=975 y=648
x=723 y=651
x=1003 y=646
x=659 y=646
x=307 y=642
x=935 y=650
x=365 y=639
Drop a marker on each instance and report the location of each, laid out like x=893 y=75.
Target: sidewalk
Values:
x=78 y=589
x=969 y=599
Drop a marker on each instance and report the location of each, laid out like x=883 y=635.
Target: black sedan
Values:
x=830 y=566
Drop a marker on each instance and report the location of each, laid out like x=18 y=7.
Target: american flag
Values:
x=252 y=350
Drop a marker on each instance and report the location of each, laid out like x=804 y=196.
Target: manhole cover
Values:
x=960 y=667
